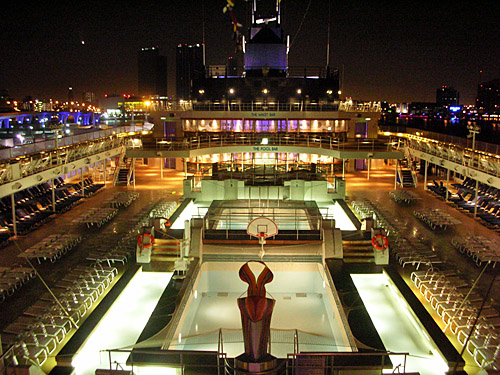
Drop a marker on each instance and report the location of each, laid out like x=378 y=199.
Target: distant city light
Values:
x=455 y=108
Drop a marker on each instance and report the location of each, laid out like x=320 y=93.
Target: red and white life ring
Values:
x=167 y=224
x=140 y=240
x=380 y=242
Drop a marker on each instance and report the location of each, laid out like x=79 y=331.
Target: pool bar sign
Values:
x=266 y=149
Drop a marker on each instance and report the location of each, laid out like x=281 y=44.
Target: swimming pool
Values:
x=306 y=308
x=398 y=327
x=123 y=323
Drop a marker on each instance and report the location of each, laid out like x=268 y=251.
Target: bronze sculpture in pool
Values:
x=256 y=310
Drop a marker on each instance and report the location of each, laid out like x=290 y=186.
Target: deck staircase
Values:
x=123 y=173
x=406 y=178
x=165 y=250
x=406 y=175
x=358 y=251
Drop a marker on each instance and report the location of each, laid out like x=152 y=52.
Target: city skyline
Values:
x=386 y=52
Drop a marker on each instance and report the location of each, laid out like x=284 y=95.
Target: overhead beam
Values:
x=26 y=182
x=344 y=154
x=464 y=170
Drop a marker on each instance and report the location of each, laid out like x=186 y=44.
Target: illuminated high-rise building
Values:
x=488 y=96
x=447 y=96
x=189 y=66
x=151 y=72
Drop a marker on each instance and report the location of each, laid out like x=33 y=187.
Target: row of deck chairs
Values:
x=12 y=278
x=407 y=251
x=33 y=206
x=458 y=308
x=122 y=251
x=89 y=187
x=439 y=189
x=96 y=217
x=447 y=293
x=486 y=203
x=42 y=327
x=52 y=247
x=366 y=209
x=28 y=217
x=412 y=252
x=164 y=209
x=435 y=218
x=403 y=197
x=65 y=196
x=122 y=199
x=479 y=248
x=36 y=334
x=4 y=236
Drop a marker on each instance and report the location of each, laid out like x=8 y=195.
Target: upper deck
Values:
x=342 y=130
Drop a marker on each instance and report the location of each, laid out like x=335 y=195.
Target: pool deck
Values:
x=152 y=187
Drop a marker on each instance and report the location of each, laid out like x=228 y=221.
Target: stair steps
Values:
x=166 y=247
x=407 y=178
x=122 y=176
x=360 y=251
x=163 y=258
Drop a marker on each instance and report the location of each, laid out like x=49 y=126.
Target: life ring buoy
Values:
x=167 y=224
x=140 y=240
x=380 y=242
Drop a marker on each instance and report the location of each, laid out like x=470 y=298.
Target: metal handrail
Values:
x=466 y=158
x=330 y=365
x=52 y=144
x=176 y=316
x=5 y=357
x=265 y=141
x=179 y=353
x=54 y=159
x=267 y=105
x=461 y=142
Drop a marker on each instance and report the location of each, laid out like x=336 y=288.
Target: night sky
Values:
x=388 y=50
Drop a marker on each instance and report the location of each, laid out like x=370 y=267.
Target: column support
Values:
x=133 y=170
x=425 y=176
x=83 y=182
x=53 y=197
x=14 y=221
x=396 y=174
x=475 y=198
x=104 y=162
x=447 y=184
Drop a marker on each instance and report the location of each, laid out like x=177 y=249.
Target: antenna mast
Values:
x=328 y=38
x=203 y=29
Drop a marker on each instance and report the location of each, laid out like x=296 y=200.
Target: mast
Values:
x=278 y=12
x=203 y=30
x=328 y=38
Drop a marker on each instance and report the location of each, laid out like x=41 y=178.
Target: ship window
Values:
x=247 y=126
